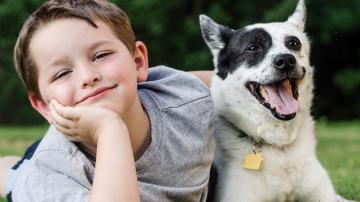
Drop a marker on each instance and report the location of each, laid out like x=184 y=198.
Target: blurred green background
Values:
x=171 y=31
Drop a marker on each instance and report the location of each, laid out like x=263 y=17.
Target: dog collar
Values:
x=254 y=159
x=242 y=134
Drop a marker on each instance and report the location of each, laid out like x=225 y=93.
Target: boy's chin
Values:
x=105 y=105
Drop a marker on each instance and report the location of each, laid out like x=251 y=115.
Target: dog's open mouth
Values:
x=279 y=97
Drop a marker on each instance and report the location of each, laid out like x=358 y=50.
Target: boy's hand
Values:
x=103 y=130
x=82 y=124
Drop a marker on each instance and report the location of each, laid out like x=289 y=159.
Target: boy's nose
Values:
x=90 y=78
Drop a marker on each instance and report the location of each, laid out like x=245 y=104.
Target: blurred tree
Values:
x=14 y=107
x=171 y=31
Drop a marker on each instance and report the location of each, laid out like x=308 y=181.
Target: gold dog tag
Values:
x=253 y=161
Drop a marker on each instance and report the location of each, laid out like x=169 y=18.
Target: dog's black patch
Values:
x=248 y=46
x=292 y=43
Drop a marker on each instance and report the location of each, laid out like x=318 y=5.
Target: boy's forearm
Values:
x=115 y=175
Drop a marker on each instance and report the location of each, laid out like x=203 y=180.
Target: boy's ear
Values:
x=141 y=60
x=40 y=106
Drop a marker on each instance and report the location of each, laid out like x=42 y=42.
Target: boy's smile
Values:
x=97 y=93
x=79 y=64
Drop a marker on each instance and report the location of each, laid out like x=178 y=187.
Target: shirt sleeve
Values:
x=63 y=178
x=55 y=187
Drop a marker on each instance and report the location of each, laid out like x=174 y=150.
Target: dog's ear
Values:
x=298 y=18
x=215 y=35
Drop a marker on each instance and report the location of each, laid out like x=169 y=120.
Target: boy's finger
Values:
x=68 y=126
x=60 y=120
x=60 y=109
x=66 y=131
x=66 y=112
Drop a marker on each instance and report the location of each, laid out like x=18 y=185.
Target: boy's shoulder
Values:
x=172 y=88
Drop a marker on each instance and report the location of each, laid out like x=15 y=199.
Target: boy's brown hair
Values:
x=88 y=10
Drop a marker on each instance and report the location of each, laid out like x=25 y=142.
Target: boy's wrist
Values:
x=111 y=128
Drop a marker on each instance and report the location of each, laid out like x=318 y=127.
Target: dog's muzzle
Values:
x=280 y=96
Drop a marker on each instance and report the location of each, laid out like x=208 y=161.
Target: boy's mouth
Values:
x=97 y=93
x=280 y=97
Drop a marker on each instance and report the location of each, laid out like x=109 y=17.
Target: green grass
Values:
x=14 y=140
x=338 y=150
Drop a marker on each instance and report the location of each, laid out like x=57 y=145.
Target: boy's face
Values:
x=79 y=64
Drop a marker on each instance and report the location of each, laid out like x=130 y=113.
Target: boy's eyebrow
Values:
x=58 y=61
x=99 y=43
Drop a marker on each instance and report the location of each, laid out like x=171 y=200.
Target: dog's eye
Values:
x=293 y=43
x=252 y=48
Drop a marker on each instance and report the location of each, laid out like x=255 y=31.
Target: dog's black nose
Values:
x=285 y=62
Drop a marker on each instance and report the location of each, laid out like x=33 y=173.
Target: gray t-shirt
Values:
x=175 y=166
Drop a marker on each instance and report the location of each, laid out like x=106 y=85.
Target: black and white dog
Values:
x=262 y=89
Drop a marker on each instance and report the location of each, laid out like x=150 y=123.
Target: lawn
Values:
x=338 y=150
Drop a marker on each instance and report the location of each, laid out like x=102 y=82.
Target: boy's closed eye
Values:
x=61 y=74
x=101 y=55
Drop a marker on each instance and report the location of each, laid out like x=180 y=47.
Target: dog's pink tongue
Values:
x=280 y=97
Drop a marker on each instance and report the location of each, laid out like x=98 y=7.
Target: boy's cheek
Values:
x=62 y=96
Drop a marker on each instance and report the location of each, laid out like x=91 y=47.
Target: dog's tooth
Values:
x=264 y=93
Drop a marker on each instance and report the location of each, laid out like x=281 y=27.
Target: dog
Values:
x=262 y=89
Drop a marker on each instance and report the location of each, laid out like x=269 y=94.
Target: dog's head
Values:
x=262 y=64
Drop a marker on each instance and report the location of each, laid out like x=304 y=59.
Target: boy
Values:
x=86 y=75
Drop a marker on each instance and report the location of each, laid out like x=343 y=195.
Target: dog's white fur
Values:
x=290 y=170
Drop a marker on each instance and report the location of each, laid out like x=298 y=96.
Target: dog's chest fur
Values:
x=282 y=171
